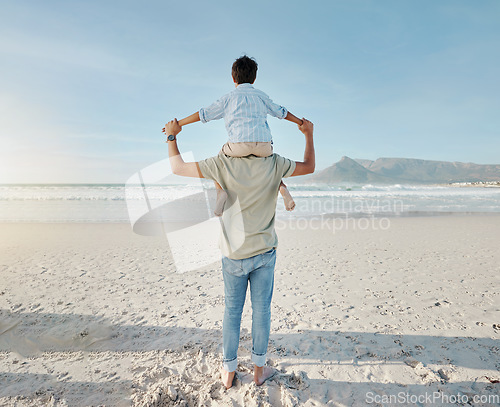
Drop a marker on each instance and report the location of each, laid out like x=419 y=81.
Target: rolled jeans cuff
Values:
x=259 y=360
x=230 y=366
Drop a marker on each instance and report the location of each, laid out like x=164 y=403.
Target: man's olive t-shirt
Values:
x=252 y=185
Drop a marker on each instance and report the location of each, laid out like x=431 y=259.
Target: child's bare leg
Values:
x=289 y=202
x=221 y=200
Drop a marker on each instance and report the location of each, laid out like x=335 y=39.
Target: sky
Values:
x=86 y=86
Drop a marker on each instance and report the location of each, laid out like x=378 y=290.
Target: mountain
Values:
x=434 y=171
x=348 y=170
x=404 y=171
x=364 y=163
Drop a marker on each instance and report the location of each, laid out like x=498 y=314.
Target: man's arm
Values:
x=179 y=167
x=293 y=119
x=307 y=166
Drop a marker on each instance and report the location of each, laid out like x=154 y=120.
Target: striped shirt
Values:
x=245 y=111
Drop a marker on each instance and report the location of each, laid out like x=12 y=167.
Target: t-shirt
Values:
x=252 y=185
x=245 y=111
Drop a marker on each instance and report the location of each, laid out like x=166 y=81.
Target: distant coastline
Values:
x=477 y=184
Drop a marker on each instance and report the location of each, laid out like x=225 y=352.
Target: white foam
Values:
x=101 y=203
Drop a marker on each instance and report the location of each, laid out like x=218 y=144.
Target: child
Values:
x=245 y=111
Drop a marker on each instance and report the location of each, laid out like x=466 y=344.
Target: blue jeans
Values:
x=259 y=271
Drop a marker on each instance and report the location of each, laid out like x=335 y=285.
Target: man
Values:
x=249 y=241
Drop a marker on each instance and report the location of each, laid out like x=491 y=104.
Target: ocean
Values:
x=127 y=203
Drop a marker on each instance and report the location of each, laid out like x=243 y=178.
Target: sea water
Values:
x=113 y=202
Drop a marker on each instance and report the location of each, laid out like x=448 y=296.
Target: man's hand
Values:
x=307 y=127
x=172 y=127
x=177 y=164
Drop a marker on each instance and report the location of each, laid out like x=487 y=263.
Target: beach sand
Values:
x=92 y=314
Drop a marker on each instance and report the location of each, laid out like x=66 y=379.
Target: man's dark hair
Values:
x=244 y=70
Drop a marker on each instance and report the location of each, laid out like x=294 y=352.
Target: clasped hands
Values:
x=172 y=127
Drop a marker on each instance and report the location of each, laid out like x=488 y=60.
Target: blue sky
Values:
x=86 y=86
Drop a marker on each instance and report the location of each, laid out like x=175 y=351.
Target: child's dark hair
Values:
x=244 y=70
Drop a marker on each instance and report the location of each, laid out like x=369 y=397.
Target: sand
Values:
x=92 y=314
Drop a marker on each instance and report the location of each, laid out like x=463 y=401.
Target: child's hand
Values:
x=172 y=127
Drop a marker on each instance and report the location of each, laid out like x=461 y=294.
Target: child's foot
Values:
x=287 y=198
x=221 y=200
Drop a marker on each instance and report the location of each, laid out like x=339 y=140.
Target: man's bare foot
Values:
x=227 y=378
x=221 y=200
x=261 y=374
x=287 y=198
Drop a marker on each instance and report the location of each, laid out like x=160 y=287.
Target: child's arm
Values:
x=293 y=119
x=195 y=117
